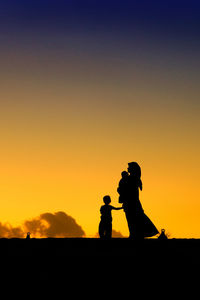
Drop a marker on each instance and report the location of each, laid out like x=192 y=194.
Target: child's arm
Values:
x=117 y=208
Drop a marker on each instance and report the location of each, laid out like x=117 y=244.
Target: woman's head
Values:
x=134 y=168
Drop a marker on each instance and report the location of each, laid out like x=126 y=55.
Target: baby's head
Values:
x=124 y=174
x=106 y=199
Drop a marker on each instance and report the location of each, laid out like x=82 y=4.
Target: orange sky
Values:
x=57 y=158
x=78 y=102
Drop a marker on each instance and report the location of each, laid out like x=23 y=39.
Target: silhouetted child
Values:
x=105 y=225
x=122 y=186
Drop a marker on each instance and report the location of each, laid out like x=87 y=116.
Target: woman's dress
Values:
x=139 y=224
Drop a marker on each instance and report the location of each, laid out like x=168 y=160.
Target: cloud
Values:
x=57 y=224
x=115 y=234
x=8 y=231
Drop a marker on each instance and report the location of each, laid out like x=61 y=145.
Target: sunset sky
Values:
x=88 y=86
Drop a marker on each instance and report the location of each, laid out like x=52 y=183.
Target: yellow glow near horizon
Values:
x=50 y=167
x=64 y=147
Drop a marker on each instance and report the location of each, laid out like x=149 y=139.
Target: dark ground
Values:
x=117 y=267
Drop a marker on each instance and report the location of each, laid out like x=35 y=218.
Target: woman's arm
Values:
x=140 y=185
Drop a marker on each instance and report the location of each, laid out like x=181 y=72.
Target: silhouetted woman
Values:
x=139 y=224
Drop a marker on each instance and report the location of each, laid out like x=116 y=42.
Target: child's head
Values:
x=124 y=174
x=106 y=199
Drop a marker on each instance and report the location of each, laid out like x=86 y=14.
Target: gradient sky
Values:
x=86 y=87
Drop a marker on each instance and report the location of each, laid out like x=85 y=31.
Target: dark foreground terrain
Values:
x=120 y=266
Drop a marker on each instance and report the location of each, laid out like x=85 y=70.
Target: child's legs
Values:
x=101 y=229
x=108 y=230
